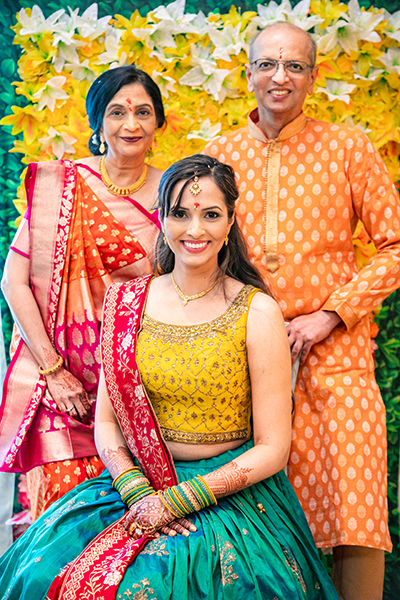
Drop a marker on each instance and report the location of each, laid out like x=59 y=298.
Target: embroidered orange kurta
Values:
x=301 y=196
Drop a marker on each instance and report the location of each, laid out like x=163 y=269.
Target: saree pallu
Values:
x=254 y=544
x=77 y=248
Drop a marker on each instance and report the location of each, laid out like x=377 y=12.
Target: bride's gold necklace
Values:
x=117 y=190
x=186 y=299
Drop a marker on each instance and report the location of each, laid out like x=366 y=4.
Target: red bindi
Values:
x=130 y=104
x=280 y=53
x=196 y=205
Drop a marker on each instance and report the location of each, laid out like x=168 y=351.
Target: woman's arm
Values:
x=270 y=373
x=66 y=391
x=110 y=443
x=115 y=454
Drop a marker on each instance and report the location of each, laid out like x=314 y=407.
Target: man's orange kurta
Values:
x=301 y=196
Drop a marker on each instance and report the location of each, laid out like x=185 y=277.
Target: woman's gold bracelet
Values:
x=52 y=369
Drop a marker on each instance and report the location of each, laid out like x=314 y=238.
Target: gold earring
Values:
x=165 y=240
x=102 y=147
x=226 y=239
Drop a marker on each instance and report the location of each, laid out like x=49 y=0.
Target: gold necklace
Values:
x=186 y=299
x=117 y=190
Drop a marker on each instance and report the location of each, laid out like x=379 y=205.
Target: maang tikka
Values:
x=195 y=188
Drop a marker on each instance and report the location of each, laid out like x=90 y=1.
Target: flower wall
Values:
x=197 y=58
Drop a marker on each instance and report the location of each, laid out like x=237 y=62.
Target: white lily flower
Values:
x=350 y=123
x=81 y=71
x=201 y=57
x=227 y=42
x=393 y=27
x=206 y=132
x=65 y=28
x=158 y=35
x=66 y=53
x=200 y=21
x=89 y=26
x=51 y=92
x=61 y=143
x=366 y=21
x=343 y=34
x=164 y=82
x=36 y=23
x=211 y=83
x=174 y=12
x=391 y=60
x=337 y=90
x=299 y=16
x=273 y=12
x=111 y=45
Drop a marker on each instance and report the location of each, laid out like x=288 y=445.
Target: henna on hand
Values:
x=50 y=356
x=117 y=461
x=69 y=395
x=228 y=479
x=147 y=516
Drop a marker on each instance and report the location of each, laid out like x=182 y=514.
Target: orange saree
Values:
x=81 y=239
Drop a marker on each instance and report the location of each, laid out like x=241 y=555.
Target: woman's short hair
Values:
x=103 y=90
x=233 y=258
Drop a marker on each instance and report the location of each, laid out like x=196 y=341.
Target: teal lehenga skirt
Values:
x=255 y=545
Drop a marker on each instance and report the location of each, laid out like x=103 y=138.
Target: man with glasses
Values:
x=303 y=186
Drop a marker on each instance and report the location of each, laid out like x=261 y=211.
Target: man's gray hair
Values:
x=286 y=25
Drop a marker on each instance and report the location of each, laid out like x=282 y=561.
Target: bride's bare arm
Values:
x=270 y=373
x=110 y=442
x=116 y=456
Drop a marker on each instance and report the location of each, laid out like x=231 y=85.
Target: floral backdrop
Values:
x=197 y=57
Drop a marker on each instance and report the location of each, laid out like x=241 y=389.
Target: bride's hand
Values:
x=149 y=515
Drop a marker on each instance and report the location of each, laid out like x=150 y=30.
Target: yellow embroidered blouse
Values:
x=197 y=377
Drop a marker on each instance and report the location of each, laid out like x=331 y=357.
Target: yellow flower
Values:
x=25 y=119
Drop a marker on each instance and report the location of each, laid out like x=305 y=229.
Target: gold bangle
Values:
x=54 y=368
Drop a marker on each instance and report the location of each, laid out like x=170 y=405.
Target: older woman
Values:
x=196 y=387
x=89 y=223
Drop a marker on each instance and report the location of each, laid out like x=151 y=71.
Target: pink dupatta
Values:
x=98 y=571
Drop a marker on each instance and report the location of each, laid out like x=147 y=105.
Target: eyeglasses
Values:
x=269 y=66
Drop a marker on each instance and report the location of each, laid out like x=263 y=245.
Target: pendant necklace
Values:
x=186 y=299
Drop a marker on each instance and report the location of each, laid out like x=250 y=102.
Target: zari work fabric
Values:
x=301 y=197
x=196 y=376
x=255 y=544
x=79 y=238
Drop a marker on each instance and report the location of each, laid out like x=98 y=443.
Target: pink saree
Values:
x=113 y=549
x=78 y=247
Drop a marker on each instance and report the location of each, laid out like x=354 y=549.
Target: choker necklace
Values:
x=186 y=299
x=115 y=189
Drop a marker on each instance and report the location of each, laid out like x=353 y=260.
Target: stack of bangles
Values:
x=181 y=500
x=187 y=497
x=132 y=486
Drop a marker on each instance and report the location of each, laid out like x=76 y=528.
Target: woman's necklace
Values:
x=186 y=299
x=115 y=189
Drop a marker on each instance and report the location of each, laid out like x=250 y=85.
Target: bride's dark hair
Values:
x=233 y=259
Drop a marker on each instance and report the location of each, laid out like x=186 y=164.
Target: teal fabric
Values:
x=238 y=552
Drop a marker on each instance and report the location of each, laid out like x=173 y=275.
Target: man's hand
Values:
x=307 y=330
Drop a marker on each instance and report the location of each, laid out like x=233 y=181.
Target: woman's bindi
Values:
x=130 y=104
